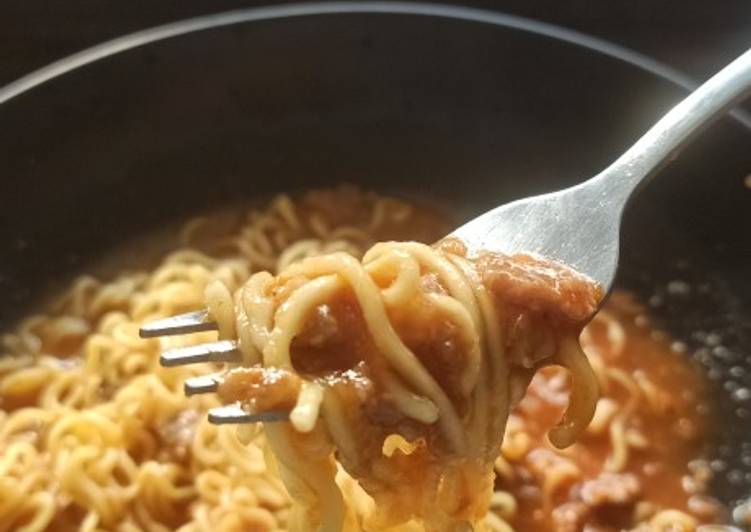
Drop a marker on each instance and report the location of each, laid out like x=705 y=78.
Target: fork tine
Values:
x=223 y=415
x=222 y=351
x=190 y=322
x=202 y=384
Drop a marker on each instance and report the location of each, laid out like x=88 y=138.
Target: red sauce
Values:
x=672 y=420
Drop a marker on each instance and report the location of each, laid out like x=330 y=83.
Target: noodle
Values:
x=96 y=436
x=413 y=330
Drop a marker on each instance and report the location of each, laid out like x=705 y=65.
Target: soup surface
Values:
x=95 y=435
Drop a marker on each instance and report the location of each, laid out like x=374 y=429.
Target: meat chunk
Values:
x=539 y=286
x=261 y=389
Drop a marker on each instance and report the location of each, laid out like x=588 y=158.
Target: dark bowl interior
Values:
x=466 y=113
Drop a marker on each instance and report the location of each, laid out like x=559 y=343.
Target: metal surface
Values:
x=189 y=322
x=234 y=414
x=239 y=16
x=221 y=351
x=580 y=226
x=228 y=18
x=202 y=384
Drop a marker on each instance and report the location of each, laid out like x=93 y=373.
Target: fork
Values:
x=577 y=226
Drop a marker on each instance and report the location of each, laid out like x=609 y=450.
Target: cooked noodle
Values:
x=95 y=435
x=413 y=333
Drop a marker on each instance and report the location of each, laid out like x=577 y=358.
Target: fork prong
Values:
x=228 y=414
x=190 y=322
x=222 y=351
x=202 y=384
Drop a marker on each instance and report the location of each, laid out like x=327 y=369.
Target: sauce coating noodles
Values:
x=95 y=435
x=416 y=345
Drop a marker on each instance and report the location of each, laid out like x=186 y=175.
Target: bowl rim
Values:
x=177 y=28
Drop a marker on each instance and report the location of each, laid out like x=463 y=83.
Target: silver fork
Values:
x=578 y=226
x=221 y=351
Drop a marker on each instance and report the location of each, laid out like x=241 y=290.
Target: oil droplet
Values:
x=679 y=288
x=678 y=347
x=741 y=394
x=713 y=339
x=702 y=355
x=658 y=336
x=737 y=372
x=742 y=514
x=735 y=477
x=723 y=353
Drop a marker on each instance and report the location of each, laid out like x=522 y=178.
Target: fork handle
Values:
x=661 y=143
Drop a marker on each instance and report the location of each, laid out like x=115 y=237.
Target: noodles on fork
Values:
x=415 y=342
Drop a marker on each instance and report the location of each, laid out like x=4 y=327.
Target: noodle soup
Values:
x=95 y=435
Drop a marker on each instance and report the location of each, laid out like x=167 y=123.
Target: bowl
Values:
x=465 y=107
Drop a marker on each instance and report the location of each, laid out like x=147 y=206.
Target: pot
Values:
x=465 y=107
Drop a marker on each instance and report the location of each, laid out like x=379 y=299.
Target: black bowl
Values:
x=463 y=106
